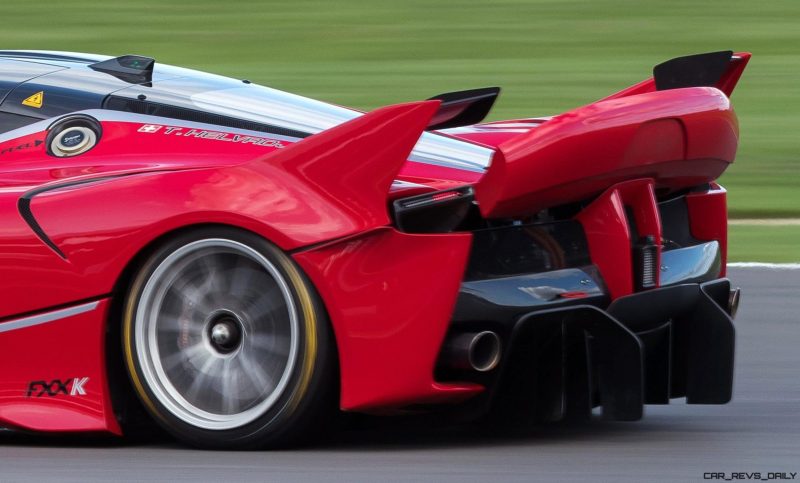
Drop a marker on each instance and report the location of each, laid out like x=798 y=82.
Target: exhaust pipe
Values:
x=477 y=351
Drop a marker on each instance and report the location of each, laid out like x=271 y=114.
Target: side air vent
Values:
x=116 y=103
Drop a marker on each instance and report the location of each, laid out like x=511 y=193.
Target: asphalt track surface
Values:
x=758 y=432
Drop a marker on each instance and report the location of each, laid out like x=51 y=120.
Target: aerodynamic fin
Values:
x=463 y=108
x=135 y=69
x=699 y=70
x=714 y=69
x=353 y=164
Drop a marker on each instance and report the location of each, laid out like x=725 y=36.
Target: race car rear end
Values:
x=618 y=299
x=260 y=255
x=585 y=268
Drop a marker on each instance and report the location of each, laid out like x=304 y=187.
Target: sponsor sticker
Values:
x=150 y=128
x=72 y=138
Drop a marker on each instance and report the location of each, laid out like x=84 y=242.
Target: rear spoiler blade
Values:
x=699 y=70
x=714 y=69
x=463 y=108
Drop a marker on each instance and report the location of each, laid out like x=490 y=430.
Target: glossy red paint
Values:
x=731 y=77
x=680 y=138
x=168 y=147
x=351 y=167
x=390 y=313
x=495 y=133
x=329 y=182
x=708 y=218
x=65 y=349
x=162 y=149
x=607 y=229
x=436 y=177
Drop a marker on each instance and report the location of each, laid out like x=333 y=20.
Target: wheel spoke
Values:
x=188 y=355
x=265 y=307
x=270 y=345
x=203 y=375
x=193 y=295
x=230 y=389
x=241 y=278
x=256 y=374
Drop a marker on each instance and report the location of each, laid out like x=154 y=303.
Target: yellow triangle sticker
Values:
x=35 y=100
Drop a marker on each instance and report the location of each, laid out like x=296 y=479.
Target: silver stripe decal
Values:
x=48 y=317
x=399 y=184
x=120 y=116
x=19 y=132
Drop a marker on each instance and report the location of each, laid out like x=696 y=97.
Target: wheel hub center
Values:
x=225 y=333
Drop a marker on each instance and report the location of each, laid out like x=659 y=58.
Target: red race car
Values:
x=238 y=260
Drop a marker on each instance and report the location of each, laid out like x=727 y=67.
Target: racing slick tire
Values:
x=227 y=344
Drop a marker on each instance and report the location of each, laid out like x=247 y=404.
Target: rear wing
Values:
x=674 y=128
x=714 y=69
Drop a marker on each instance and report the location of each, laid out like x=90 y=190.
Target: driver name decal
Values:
x=211 y=135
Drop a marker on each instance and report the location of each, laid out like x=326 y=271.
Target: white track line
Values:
x=773 y=266
x=766 y=222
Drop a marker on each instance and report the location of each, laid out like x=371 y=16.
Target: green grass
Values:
x=548 y=55
x=777 y=244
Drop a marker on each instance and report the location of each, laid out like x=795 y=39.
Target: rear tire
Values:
x=226 y=342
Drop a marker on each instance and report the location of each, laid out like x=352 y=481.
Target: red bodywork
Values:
x=389 y=294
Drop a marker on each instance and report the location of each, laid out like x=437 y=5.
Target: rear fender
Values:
x=390 y=297
x=331 y=185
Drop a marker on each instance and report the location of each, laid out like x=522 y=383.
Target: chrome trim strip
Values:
x=26 y=322
x=693 y=264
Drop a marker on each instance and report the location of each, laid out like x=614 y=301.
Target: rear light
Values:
x=432 y=198
x=437 y=212
x=645 y=262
